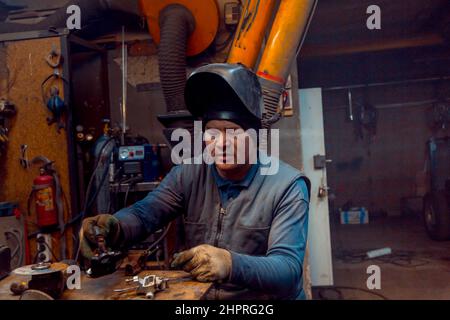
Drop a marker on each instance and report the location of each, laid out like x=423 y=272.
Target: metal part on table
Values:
x=147 y=285
x=18 y=288
x=138 y=187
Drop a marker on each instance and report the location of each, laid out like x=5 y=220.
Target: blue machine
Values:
x=140 y=161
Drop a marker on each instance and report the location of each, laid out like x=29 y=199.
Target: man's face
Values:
x=230 y=150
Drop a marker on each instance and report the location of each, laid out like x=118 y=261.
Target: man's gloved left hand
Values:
x=205 y=262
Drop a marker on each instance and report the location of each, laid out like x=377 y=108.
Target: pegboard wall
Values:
x=23 y=69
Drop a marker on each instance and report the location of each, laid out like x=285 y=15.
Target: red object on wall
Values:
x=45 y=200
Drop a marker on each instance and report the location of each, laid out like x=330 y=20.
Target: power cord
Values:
x=51 y=251
x=131 y=183
x=405 y=259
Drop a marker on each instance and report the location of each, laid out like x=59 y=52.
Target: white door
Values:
x=313 y=143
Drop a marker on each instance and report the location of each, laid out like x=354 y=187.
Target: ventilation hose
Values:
x=176 y=24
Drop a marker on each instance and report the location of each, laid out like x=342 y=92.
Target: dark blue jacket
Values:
x=262 y=220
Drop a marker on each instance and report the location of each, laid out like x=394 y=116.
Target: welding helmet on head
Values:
x=222 y=91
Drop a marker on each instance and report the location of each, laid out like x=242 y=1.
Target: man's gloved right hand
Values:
x=108 y=226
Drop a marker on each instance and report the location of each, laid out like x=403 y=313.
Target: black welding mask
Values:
x=223 y=91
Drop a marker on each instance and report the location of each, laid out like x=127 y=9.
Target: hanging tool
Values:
x=55 y=104
x=7 y=111
x=23 y=156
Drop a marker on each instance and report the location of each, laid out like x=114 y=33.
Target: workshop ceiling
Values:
x=339 y=27
x=339 y=50
x=414 y=32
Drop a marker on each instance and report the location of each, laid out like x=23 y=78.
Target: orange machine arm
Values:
x=287 y=31
x=288 y=28
x=250 y=33
x=284 y=39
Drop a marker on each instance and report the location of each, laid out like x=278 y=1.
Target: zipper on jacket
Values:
x=222 y=213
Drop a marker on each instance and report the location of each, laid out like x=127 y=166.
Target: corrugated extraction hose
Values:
x=176 y=23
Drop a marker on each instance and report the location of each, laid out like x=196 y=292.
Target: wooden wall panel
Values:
x=27 y=68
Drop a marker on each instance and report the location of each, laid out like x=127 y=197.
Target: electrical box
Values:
x=140 y=161
x=232 y=14
x=319 y=162
x=44 y=247
x=131 y=153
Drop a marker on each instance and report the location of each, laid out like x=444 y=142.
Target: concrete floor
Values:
x=424 y=270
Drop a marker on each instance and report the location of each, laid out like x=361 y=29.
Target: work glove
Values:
x=205 y=263
x=107 y=225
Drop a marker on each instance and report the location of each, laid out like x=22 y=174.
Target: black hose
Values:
x=176 y=24
x=131 y=185
x=161 y=237
x=88 y=201
x=100 y=185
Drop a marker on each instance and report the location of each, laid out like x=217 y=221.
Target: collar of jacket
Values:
x=245 y=183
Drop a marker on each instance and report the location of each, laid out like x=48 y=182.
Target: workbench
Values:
x=103 y=288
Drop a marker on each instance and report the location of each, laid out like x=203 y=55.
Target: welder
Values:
x=244 y=231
